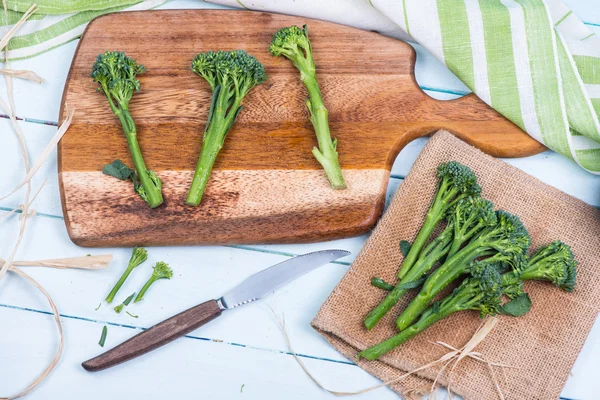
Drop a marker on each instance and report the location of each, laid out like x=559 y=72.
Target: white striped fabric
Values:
x=533 y=61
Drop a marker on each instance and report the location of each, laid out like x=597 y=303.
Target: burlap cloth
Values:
x=543 y=344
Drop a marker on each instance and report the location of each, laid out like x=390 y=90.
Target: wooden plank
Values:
x=266 y=187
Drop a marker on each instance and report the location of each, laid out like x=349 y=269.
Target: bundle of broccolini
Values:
x=231 y=75
x=489 y=247
x=292 y=43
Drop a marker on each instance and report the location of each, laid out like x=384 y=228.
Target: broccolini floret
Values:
x=293 y=43
x=554 y=263
x=231 y=75
x=161 y=271
x=117 y=75
x=481 y=291
x=506 y=243
x=456 y=183
x=138 y=256
x=468 y=217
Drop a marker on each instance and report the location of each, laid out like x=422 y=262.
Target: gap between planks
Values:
x=188 y=336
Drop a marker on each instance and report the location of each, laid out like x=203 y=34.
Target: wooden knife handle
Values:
x=156 y=336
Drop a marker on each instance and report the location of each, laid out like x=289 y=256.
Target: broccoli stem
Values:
x=120 y=282
x=429 y=256
x=482 y=291
x=154 y=194
x=138 y=256
x=437 y=281
x=219 y=124
x=427 y=319
x=145 y=288
x=213 y=141
x=326 y=154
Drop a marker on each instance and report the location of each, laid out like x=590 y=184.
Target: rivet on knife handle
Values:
x=156 y=336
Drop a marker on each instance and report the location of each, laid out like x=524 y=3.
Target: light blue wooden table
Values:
x=242 y=355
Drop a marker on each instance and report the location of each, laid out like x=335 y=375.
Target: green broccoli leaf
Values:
x=517 y=307
x=405 y=247
x=119 y=170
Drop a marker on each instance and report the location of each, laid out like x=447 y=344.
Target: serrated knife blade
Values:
x=252 y=288
x=266 y=281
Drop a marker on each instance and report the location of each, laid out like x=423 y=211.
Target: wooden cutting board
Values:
x=266 y=186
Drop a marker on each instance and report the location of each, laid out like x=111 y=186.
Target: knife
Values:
x=252 y=288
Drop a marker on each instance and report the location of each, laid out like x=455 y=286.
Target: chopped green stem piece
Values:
x=381 y=284
x=97 y=308
x=131 y=314
x=231 y=75
x=161 y=271
x=293 y=43
x=507 y=239
x=103 y=336
x=117 y=75
x=120 y=307
x=481 y=292
x=138 y=256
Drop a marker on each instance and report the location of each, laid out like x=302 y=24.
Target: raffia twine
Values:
x=456 y=355
x=9 y=265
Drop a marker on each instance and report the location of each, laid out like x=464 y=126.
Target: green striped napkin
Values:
x=58 y=21
x=533 y=61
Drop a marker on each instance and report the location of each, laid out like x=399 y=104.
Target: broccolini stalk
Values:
x=293 y=43
x=231 y=75
x=161 y=271
x=508 y=241
x=116 y=73
x=554 y=262
x=456 y=182
x=437 y=249
x=481 y=292
x=138 y=256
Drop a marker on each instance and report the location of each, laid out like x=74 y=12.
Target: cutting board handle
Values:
x=473 y=121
